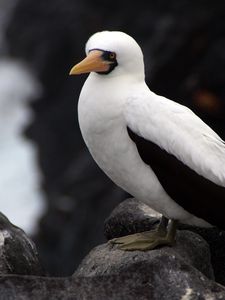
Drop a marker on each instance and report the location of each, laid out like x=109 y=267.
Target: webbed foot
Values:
x=149 y=240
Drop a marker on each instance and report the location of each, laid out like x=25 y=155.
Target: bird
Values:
x=156 y=149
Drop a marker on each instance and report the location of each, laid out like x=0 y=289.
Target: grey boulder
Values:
x=18 y=254
x=180 y=272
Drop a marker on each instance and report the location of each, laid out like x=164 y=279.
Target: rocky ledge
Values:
x=185 y=271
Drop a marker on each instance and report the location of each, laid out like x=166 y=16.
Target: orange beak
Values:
x=92 y=63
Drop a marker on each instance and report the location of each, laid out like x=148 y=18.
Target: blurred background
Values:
x=49 y=184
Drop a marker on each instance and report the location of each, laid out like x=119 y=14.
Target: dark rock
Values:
x=216 y=240
x=16 y=287
x=18 y=254
x=108 y=259
x=128 y=217
x=180 y=272
x=133 y=216
x=165 y=273
x=140 y=280
x=74 y=224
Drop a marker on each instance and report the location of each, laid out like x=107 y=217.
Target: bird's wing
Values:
x=177 y=130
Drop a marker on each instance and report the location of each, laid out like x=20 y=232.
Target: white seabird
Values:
x=155 y=149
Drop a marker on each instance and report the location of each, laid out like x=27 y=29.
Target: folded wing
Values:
x=187 y=156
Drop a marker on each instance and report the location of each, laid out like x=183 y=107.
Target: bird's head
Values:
x=111 y=53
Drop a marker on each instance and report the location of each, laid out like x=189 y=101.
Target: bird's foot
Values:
x=148 y=240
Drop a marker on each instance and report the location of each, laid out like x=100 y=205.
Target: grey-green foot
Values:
x=148 y=240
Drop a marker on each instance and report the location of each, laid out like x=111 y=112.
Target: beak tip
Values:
x=71 y=72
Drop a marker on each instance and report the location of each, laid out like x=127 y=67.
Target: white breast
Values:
x=104 y=131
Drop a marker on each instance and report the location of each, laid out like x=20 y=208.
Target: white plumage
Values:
x=109 y=103
x=180 y=132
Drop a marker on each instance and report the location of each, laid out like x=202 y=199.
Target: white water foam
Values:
x=21 y=197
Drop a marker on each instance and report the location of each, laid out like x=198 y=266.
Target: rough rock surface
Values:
x=166 y=273
x=133 y=216
x=181 y=272
x=190 y=249
x=128 y=217
x=18 y=254
x=216 y=241
x=138 y=281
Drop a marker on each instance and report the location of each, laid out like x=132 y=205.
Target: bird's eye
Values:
x=112 y=55
x=109 y=56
